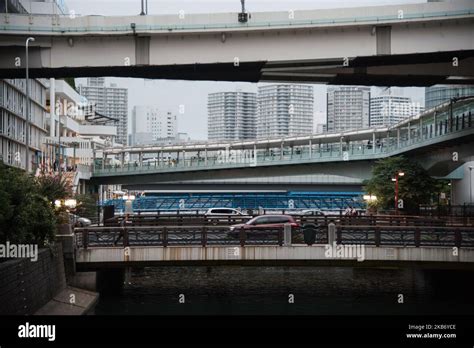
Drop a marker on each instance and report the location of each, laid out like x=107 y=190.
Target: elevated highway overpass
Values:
x=406 y=45
x=441 y=139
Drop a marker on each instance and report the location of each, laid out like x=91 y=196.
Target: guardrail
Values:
x=165 y=236
x=235 y=25
x=406 y=235
x=378 y=235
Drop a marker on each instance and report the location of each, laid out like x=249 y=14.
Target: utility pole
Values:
x=144 y=8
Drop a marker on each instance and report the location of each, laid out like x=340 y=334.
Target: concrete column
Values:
x=373 y=142
x=463 y=189
x=420 y=131
x=310 y=148
x=398 y=138
x=281 y=150
x=140 y=158
x=205 y=157
x=409 y=132
x=123 y=159
x=52 y=106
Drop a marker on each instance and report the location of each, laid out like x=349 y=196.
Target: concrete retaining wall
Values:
x=26 y=286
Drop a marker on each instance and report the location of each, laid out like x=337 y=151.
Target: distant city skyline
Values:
x=188 y=99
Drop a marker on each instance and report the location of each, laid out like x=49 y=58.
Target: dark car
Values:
x=263 y=223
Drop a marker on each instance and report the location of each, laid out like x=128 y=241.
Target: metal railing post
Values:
x=85 y=238
x=331 y=233
x=165 y=236
x=204 y=236
x=286 y=235
x=242 y=237
x=457 y=238
x=125 y=237
x=417 y=237
x=377 y=236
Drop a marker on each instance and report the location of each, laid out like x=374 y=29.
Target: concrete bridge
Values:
x=406 y=45
x=379 y=245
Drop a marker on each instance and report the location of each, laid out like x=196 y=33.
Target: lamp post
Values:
x=27 y=123
x=397 y=175
x=369 y=199
x=470 y=183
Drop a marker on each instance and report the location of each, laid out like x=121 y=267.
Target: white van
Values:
x=222 y=211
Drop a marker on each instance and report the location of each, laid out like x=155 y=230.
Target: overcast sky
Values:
x=170 y=95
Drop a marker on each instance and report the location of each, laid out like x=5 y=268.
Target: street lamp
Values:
x=369 y=199
x=27 y=123
x=470 y=184
x=397 y=175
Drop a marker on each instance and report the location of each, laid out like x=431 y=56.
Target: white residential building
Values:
x=285 y=110
x=110 y=101
x=348 y=108
x=149 y=124
x=13 y=122
x=386 y=110
x=232 y=115
x=77 y=135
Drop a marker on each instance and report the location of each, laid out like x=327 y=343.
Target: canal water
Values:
x=243 y=290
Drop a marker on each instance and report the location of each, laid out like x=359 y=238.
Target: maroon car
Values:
x=263 y=223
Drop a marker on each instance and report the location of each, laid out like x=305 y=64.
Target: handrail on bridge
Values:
x=377 y=235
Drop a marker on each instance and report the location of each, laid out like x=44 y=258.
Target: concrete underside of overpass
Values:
x=240 y=187
x=350 y=173
x=421 y=69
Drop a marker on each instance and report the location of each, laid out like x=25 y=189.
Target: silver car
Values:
x=78 y=221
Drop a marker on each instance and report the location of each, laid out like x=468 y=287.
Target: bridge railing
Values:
x=377 y=235
x=416 y=236
x=165 y=236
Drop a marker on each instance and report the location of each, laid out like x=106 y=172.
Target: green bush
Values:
x=26 y=215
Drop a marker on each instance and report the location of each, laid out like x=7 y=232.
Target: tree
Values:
x=415 y=187
x=54 y=187
x=26 y=216
x=87 y=205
